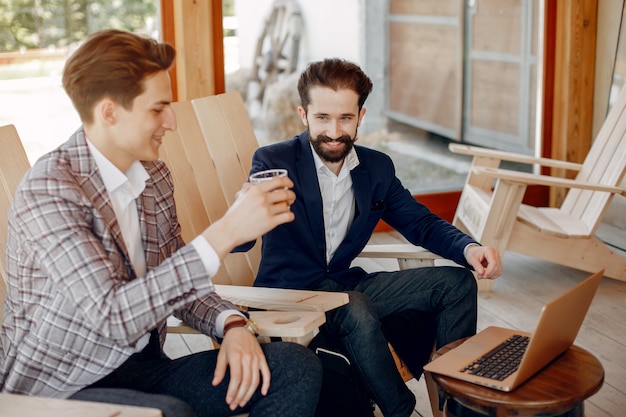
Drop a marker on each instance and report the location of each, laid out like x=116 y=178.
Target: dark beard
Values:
x=332 y=156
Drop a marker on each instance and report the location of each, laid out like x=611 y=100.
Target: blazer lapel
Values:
x=362 y=194
x=148 y=224
x=90 y=180
x=310 y=193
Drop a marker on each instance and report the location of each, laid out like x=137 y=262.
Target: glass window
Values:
x=35 y=39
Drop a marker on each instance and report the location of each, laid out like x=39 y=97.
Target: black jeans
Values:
x=448 y=293
x=182 y=387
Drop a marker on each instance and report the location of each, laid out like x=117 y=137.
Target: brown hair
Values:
x=114 y=64
x=337 y=74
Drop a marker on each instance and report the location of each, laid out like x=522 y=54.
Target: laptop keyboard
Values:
x=500 y=361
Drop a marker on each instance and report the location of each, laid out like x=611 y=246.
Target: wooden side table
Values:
x=558 y=390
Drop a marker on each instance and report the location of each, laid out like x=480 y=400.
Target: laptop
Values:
x=558 y=325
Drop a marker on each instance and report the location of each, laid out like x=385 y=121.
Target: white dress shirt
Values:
x=337 y=200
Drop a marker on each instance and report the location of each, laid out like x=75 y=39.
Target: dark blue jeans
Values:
x=448 y=292
x=182 y=387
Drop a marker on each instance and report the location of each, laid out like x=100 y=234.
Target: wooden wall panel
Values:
x=195 y=29
x=574 y=68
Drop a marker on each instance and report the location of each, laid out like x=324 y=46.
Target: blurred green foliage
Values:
x=31 y=24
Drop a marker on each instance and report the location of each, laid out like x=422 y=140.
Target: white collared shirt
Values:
x=337 y=200
x=123 y=189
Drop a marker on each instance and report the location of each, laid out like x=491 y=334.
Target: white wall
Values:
x=331 y=28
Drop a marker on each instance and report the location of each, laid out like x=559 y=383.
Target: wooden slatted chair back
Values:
x=230 y=138
x=13 y=166
x=605 y=164
x=209 y=168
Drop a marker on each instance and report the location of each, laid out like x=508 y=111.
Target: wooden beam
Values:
x=167 y=29
x=195 y=29
x=574 y=66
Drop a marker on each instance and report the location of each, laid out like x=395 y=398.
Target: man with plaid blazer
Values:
x=96 y=263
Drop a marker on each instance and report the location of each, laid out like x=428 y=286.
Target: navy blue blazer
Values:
x=294 y=254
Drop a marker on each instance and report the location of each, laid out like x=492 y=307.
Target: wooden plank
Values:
x=576 y=23
x=219 y=141
x=13 y=166
x=189 y=206
x=472 y=210
x=282 y=299
x=241 y=129
x=509 y=156
x=400 y=250
x=535 y=218
x=586 y=254
x=187 y=149
x=528 y=178
x=292 y=323
x=604 y=164
x=12 y=405
x=244 y=144
x=553 y=221
x=197 y=194
x=572 y=226
x=198 y=42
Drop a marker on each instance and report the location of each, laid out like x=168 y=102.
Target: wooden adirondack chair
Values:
x=495 y=215
x=213 y=147
x=13 y=166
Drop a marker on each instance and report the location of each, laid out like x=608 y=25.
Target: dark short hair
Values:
x=113 y=63
x=337 y=74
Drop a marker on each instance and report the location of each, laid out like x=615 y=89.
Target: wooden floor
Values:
x=516 y=300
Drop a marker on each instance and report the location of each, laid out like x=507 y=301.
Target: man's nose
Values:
x=333 y=130
x=169 y=119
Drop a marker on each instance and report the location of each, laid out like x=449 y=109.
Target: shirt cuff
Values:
x=221 y=319
x=469 y=245
x=207 y=254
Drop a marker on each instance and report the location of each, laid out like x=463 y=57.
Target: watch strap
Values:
x=239 y=322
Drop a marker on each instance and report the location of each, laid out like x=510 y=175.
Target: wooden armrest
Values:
x=526 y=178
x=31 y=406
x=289 y=324
x=282 y=299
x=398 y=250
x=512 y=157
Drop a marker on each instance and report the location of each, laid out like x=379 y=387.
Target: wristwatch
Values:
x=247 y=324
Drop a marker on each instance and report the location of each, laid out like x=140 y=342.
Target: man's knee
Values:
x=293 y=361
x=359 y=313
x=461 y=281
x=470 y=281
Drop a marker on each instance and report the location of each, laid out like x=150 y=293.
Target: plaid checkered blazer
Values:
x=74 y=307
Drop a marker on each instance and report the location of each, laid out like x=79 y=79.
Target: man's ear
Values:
x=302 y=114
x=361 y=114
x=105 y=111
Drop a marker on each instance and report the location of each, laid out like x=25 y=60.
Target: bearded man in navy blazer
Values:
x=342 y=191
